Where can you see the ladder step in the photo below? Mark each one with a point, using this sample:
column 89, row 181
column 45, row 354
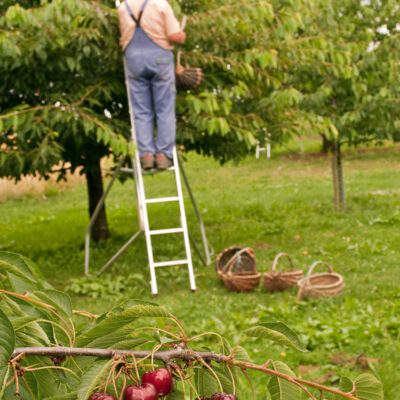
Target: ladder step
column 164, row 231
column 129, row 170
column 169, row 263
column 162, row 199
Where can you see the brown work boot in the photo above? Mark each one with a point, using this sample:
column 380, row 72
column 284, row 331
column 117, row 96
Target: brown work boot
column 162, row 161
column 147, row 161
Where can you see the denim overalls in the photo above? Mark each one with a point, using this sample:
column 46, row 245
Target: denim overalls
column 151, row 76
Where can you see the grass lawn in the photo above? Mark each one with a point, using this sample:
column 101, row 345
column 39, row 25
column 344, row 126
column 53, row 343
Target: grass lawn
column 281, row 204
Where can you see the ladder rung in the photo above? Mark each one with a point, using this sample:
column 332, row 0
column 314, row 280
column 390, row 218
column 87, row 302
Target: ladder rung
column 130, row 170
column 164, row 231
column 169, row 263
column 162, row 199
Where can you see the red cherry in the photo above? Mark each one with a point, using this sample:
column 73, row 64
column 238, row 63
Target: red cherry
column 223, row 396
column 101, row 396
column 145, row 392
column 161, row 378
column 96, row 396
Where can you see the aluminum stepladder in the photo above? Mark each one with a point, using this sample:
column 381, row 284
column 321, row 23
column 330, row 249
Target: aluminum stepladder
column 144, row 227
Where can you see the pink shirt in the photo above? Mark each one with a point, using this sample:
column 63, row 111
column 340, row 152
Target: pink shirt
column 158, row 21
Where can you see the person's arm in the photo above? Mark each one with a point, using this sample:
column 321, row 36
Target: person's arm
column 177, row 37
column 173, row 30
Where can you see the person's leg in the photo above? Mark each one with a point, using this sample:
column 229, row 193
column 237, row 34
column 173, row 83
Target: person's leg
column 139, row 77
column 164, row 96
column 141, row 95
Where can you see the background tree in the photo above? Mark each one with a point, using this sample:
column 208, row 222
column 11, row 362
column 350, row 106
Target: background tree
column 58, row 92
column 273, row 69
column 359, row 88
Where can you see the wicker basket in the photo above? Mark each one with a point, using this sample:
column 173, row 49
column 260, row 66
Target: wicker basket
column 281, row 280
column 320, row 285
column 236, row 267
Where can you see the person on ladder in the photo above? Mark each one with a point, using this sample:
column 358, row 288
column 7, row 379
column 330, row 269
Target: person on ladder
column 149, row 30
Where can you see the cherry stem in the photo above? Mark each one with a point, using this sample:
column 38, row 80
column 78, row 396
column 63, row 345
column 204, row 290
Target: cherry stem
column 123, row 388
column 86, row 314
column 182, row 381
column 304, row 389
column 114, row 380
column 14, row 367
column 108, row 380
column 199, row 359
column 135, row 364
column 148, row 328
column 27, row 386
column 176, row 320
column 52, row 367
column 232, row 378
column 249, row 382
column 55, row 324
column 152, row 354
column 204, row 334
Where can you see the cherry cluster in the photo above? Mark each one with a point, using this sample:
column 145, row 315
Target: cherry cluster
column 154, row 384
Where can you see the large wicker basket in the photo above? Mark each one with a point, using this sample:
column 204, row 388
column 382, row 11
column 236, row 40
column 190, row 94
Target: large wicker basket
column 281, row 280
column 320, row 285
column 236, row 267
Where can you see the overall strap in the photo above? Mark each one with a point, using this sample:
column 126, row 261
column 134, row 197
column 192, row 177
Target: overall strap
column 137, row 20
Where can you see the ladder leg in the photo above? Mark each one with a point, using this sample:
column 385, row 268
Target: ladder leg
column 206, row 246
column 144, row 219
column 183, row 221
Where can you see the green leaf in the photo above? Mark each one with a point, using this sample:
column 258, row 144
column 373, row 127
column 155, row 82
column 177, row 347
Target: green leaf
column 20, row 284
column 146, row 311
column 61, row 301
column 4, row 373
column 66, row 396
column 368, row 387
column 241, row 354
column 113, row 322
column 345, row 385
column 277, row 332
column 47, row 379
column 33, row 328
column 7, row 340
column 206, row 384
column 175, row 395
column 281, row 389
column 20, row 266
column 92, row 377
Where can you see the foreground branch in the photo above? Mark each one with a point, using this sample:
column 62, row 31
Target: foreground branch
column 167, row 356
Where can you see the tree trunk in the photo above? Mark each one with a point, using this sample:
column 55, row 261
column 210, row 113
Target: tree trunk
column 327, row 145
column 95, row 191
column 338, row 182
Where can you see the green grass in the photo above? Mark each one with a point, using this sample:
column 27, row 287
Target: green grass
column 285, row 203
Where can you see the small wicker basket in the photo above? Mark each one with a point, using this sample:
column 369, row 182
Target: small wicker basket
column 236, row 267
column 281, row 280
column 320, row 285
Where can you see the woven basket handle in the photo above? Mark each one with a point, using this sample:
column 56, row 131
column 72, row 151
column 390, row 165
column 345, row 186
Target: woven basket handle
column 183, row 22
column 230, row 262
column 278, row 256
column 311, row 269
column 179, row 68
column 302, row 282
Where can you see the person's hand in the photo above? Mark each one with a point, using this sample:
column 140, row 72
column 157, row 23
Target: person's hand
column 178, row 37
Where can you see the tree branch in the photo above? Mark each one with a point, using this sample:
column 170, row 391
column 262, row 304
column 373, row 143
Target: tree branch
column 168, row 355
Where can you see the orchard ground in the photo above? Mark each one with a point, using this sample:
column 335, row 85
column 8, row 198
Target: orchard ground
column 281, row 204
